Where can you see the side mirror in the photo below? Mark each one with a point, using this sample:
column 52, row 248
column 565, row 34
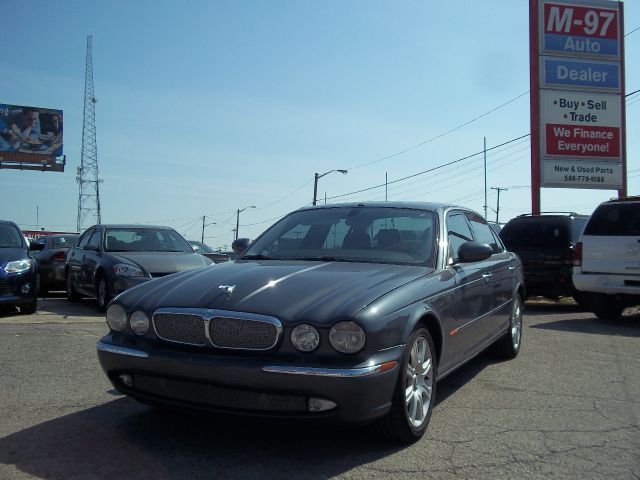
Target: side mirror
column 474, row 252
column 195, row 248
column 240, row 245
column 91, row 248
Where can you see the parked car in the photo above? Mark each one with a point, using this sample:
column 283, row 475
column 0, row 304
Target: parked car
column 546, row 246
column 18, row 271
column 207, row 251
column 346, row 312
column 51, row 253
column 108, row 259
column 608, row 269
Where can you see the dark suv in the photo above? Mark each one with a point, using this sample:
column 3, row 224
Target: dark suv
column 546, row 246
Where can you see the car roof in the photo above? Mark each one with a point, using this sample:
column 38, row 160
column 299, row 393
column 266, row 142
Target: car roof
column 130, row 225
column 414, row 205
column 9, row 222
column 622, row 200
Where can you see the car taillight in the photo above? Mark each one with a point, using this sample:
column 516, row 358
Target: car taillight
column 577, row 254
column 59, row 256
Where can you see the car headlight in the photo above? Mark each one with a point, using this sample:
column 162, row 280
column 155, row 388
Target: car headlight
column 347, row 337
column 305, row 338
column 116, row 318
column 18, row 266
column 139, row 322
column 127, row 270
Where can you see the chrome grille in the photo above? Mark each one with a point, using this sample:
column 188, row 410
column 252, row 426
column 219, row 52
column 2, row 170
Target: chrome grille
column 180, row 328
column 242, row 334
column 217, row 328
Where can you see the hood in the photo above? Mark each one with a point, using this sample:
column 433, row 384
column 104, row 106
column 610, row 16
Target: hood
column 11, row 254
column 291, row 291
column 163, row 262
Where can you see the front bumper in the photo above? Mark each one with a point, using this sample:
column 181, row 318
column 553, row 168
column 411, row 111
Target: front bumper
column 253, row 385
column 118, row 284
column 12, row 288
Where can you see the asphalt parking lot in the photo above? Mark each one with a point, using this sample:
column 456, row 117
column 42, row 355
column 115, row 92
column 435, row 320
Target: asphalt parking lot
column 567, row 407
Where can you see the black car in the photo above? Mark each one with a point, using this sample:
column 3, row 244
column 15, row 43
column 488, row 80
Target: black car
column 546, row 246
column 51, row 253
column 18, row 271
column 108, row 259
column 207, row 251
column 346, row 312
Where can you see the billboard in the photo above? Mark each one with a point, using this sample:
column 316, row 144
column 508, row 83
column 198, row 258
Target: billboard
column 31, row 138
column 577, row 107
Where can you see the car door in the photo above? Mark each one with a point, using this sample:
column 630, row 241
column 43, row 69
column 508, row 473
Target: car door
column 90, row 261
column 75, row 255
column 474, row 289
column 502, row 266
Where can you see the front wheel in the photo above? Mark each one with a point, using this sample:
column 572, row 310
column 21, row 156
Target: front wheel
column 509, row 345
column 414, row 395
column 103, row 296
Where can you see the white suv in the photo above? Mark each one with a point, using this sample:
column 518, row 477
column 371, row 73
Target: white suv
column 608, row 268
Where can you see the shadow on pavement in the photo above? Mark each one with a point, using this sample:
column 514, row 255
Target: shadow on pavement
column 56, row 305
column 625, row 326
column 122, row 439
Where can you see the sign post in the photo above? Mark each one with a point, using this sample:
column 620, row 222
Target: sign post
column 577, row 96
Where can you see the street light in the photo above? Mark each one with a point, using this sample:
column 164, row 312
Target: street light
column 319, row 176
column 203, row 225
column 238, row 217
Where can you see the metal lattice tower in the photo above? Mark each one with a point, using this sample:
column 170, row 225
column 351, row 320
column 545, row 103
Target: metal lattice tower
column 87, row 177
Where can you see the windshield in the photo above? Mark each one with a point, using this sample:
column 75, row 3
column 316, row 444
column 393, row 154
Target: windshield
column 10, row 237
column 201, row 247
column 358, row 234
column 145, row 240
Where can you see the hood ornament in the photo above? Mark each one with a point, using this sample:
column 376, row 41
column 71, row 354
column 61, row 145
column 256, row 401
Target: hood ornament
column 226, row 289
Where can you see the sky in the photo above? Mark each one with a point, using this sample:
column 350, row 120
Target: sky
column 210, row 107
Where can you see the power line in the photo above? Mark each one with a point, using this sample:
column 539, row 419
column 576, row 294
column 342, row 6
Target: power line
column 634, row 30
column 440, row 135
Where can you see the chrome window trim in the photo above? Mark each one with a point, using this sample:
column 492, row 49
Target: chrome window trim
column 207, row 314
column 119, row 350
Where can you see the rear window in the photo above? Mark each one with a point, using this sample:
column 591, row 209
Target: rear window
column 618, row 219
column 536, row 232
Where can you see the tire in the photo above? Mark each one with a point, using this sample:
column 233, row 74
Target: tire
column 509, row 345
column 408, row 418
column 30, row 308
column 72, row 294
column 606, row 307
column 102, row 294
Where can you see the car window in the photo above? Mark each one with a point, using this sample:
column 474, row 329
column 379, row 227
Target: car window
column 372, row 234
column 138, row 239
column 63, row 242
column 536, row 232
column 482, row 232
column 617, row 219
column 84, row 238
column 458, row 232
column 10, row 237
column 94, row 241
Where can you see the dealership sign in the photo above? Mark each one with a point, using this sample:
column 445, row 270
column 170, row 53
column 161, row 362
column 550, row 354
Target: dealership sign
column 577, row 112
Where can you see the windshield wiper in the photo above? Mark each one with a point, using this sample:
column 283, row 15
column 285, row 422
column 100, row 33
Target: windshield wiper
column 256, row 257
column 322, row 258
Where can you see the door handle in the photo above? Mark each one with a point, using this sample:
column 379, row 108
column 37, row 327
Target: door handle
column 512, row 268
column 487, row 276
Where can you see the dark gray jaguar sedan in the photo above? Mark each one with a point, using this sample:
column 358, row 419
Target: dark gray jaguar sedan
column 348, row 312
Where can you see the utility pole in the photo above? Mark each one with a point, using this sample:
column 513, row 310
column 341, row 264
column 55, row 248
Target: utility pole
column 87, row 176
column 202, row 238
column 386, row 186
column 498, row 189
column 485, row 178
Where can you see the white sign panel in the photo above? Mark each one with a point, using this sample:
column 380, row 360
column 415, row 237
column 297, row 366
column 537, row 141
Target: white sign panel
column 569, row 108
column 581, row 174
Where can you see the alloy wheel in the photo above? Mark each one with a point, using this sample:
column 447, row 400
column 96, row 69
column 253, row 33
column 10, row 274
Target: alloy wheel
column 419, row 382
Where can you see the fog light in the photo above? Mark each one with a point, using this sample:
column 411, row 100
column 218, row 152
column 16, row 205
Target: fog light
column 321, row 405
column 126, row 379
column 26, row 288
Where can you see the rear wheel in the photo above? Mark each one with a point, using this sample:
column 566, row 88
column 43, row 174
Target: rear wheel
column 30, row 308
column 606, row 307
column 72, row 294
column 509, row 345
column 414, row 395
